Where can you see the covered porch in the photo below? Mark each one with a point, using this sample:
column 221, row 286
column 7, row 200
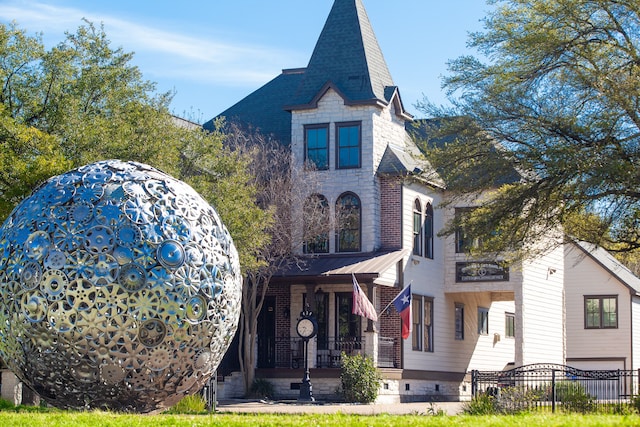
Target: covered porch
column 324, row 286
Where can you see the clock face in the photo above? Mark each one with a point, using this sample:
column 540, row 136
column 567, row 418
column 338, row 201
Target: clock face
column 305, row 328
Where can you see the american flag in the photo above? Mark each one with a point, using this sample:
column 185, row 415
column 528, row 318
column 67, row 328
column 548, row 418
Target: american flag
column 361, row 304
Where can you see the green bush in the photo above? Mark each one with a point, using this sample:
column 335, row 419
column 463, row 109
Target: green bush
column 192, row 404
column 359, row 378
column 261, row 389
column 516, row 400
column 574, row 398
column 480, row 404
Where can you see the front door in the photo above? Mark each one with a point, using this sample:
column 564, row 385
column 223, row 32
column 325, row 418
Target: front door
column 348, row 325
column 267, row 334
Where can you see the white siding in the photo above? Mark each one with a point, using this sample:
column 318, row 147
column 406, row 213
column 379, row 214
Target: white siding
column 586, row 277
column 540, row 304
column 635, row 333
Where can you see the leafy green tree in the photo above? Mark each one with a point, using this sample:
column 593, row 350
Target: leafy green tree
column 555, row 92
column 84, row 101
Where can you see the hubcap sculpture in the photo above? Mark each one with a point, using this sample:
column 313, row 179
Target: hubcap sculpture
column 120, row 288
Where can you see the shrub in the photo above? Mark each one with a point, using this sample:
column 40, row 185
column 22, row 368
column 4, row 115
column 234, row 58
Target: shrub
column 515, row 400
column 359, row 378
column 574, row 398
column 480, row 404
column 261, row 389
column 635, row 402
column 192, row 404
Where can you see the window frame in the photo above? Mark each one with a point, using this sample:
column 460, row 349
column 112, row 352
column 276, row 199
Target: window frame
column 428, row 231
column 417, row 228
column 357, row 147
column 422, row 323
column 464, row 241
column 309, row 159
column 601, row 311
column 322, row 238
column 339, row 228
column 459, row 321
column 483, row 321
column 509, row 325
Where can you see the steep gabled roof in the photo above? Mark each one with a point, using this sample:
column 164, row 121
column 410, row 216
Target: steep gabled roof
column 262, row 109
column 348, row 59
column 611, row 264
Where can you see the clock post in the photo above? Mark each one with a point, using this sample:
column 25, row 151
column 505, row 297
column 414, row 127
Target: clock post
column 307, row 328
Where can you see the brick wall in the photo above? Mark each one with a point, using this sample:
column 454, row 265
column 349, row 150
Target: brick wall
column 391, row 213
column 389, row 322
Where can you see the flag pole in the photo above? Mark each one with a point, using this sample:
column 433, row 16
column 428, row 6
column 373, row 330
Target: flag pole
column 389, row 305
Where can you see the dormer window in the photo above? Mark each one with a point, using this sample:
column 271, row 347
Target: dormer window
column 316, row 146
column 348, row 143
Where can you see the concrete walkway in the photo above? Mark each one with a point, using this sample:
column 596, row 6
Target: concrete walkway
column 292, row 407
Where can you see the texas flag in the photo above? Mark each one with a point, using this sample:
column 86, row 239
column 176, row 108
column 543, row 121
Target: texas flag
column 402, row 303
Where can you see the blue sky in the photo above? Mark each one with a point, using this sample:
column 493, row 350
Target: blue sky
column 213, row 53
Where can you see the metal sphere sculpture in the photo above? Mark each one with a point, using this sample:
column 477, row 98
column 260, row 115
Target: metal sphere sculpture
column 119, row 288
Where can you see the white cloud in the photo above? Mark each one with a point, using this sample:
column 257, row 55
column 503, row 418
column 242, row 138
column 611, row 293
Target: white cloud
column 157, row 51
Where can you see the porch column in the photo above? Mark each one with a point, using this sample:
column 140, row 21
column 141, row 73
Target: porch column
column 371, row 334
column 372, row 297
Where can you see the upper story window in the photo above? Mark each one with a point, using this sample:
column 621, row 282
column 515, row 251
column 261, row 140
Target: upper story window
column 316, row 143
column 348, row 143
column 316, row 225
column 601, row 312
column 348, row 218
column 417, row 228
column 428, row 231
column 465, row 241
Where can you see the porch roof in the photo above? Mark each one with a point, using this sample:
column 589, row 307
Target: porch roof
column 326, row 268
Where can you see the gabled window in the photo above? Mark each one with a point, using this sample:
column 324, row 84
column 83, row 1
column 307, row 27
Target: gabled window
column 316, row 144
column 601, row 312
column 428, row 232
column 422, row 323
column 316, row 225
column 417, row 228
column 348, row 142
column 483, row 321
column 348, row 218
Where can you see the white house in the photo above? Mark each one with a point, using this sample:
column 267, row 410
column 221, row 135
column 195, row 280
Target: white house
column 343, row 114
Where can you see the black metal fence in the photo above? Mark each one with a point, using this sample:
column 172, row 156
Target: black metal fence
column 551, row 387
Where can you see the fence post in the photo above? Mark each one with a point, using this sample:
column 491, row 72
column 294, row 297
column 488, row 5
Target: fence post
column 474, row 383
column 553, row 391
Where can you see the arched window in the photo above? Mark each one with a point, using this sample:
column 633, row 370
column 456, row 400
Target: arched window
column 428, row 231
column 348, row 218
column 316, row 225
column 417, row 228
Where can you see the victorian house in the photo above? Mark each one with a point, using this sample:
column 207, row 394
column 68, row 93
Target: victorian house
column 344, row 116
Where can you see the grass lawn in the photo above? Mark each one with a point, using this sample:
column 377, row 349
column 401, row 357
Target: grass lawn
column 98, row 418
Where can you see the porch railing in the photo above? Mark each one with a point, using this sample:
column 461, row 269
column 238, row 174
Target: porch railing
column 290, row 352
column 388, row 352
